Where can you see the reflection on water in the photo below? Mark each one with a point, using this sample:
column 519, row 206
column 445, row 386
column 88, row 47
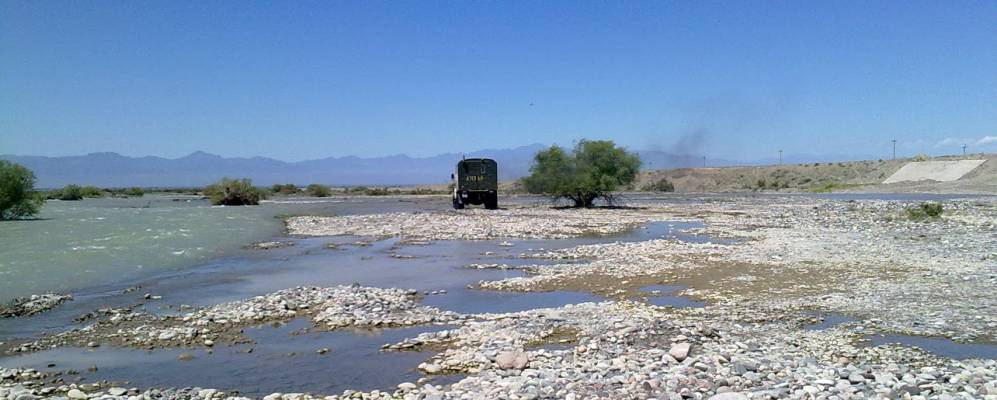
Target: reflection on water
column 282, row 360
column 664, row 295
column 940, row 346
column 825, row 321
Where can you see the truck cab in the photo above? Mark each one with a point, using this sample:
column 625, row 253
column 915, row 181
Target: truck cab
column 475, row 182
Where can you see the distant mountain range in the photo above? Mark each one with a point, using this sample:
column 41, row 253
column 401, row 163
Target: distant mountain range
column 200, row 168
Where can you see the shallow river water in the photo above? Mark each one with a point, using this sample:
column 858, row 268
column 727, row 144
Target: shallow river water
column 286, row 355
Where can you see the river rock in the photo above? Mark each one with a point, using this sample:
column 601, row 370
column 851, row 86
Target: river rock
column 511, row 360
column 680, row 351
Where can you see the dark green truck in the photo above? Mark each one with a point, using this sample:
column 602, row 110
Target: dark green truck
column 476, row 182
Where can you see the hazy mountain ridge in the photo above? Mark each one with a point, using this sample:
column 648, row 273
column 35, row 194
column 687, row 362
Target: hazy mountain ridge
column 200, row 168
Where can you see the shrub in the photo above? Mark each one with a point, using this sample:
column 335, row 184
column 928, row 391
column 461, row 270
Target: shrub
column 828, row 187
column 662, row 185
column 593, row 170
column 287, row 188
column 91, row 191
column 134, row 192
column 376, row 191
column 925, row 211
column 18, row 198
column 424, row 191
column 233, row 192
column 70, row 193
column 317, row 190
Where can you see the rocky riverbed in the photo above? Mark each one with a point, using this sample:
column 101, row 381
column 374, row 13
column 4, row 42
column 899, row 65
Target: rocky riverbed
column 790, row 257
column 31, row 305
column 329, row 308
column 477, row 224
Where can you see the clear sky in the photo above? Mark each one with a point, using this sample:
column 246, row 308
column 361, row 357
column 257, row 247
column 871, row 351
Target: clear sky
column 300, row 80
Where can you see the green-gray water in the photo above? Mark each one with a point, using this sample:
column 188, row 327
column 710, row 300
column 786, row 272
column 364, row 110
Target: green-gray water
column 80, row 244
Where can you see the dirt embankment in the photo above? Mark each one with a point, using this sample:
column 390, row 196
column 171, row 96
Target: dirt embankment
column 866, row 176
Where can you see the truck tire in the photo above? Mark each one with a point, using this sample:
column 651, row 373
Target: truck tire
column 457, row 205
column 491, row 202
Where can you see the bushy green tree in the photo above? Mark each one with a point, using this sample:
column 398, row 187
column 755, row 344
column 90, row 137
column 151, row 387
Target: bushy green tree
column 234, row 192
column 593, row 170
column 317, row 190
column 18, row 198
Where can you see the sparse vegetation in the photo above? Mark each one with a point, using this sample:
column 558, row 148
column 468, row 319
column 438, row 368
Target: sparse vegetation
column 593, row 170
column 234, row 192
column 68, row 193
column 91, row 192
column 18, row 198
column 316, row 190
column 425, row 191
column 286, row 189
column 925, row 211
column 662, row 185
column 828, row 187
column 376, row 192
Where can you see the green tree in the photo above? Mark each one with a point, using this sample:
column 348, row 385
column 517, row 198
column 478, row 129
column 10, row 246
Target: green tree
column 234, row 192
column 18, row 198
column 317, row 190
column 593, row 170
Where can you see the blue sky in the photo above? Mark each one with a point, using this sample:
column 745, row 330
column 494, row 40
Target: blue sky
column 300, row 80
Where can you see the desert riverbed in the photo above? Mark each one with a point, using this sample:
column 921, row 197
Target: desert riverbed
column 723, row 297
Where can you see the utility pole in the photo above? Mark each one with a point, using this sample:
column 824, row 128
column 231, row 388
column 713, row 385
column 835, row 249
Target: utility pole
column 704, row 161
column 894, row 149
column 780, row 156
column 963, row 150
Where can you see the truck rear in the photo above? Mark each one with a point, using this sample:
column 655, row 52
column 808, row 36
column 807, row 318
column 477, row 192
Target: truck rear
column 476, row 182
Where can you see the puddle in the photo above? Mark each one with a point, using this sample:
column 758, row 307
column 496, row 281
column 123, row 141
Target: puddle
column 556, row 347
column 940, row 346
column 269, row 368
column 825, row 321
column 663, row 295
